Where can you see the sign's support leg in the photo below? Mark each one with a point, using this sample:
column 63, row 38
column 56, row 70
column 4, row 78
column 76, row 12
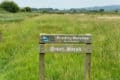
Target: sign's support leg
column 42, row 66
column 87, row 71
column 42, row 62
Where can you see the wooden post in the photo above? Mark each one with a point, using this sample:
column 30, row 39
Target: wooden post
column 42, row 62
column 87, row 67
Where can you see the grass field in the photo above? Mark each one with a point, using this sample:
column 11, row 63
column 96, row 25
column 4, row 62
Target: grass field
column 19, row 48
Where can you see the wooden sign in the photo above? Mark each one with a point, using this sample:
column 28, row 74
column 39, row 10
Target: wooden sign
column 64, row 38
column 66, row 48
column 65, row 43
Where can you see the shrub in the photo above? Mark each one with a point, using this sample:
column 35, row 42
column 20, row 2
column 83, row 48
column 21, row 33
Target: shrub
column 22, row 10
column 27, row 9
column 101, row 10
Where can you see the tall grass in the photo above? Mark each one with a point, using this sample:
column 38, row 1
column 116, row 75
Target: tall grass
column 8, row 17
column 19, row 48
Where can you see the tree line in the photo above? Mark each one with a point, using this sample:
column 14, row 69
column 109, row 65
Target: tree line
column 71, row 11
column 11, row 6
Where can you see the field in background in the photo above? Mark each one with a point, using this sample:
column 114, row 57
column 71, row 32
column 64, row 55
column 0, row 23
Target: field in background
column 6, row 17
column 19, row 47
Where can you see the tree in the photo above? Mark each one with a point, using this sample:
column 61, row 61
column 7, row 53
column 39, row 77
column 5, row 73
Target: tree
column 101, row 10
column 116, row 11
column 10, row 6
column 28, row 9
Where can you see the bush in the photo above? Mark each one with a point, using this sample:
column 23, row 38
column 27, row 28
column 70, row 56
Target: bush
column 116, row 11
column 10, row 6
column 101, row 10
column 22, row 10
column 26, row 9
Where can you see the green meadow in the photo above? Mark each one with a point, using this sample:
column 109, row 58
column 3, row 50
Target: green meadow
column 19, row 46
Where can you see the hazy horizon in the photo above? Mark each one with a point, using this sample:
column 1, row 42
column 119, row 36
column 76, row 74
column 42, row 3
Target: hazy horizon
column 65, row 4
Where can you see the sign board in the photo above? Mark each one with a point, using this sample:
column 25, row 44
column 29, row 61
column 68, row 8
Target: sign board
column 65, row 43
column 65, row 48
column 65, row 38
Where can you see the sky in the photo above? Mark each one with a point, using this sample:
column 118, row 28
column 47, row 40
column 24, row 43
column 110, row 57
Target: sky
column 65, row 4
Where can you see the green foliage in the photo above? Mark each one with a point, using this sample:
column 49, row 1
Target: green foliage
column 10, row 6
column 116, row 11
column 8, row 17
column 101, row 10
column 22, row 10
column 26, row 9
column 2, row 11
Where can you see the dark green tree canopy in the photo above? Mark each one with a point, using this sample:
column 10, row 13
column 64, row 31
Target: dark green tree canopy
column 10, row 6
column 27, row 9
column 101, row 10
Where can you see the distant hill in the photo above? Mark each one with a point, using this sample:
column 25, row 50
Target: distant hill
column 106, row 8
